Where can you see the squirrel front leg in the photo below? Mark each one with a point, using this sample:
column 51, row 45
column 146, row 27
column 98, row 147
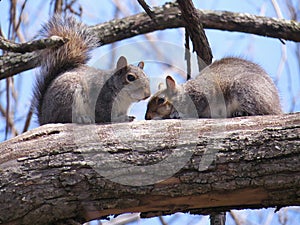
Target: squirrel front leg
column 122, row 118
column 82, row 109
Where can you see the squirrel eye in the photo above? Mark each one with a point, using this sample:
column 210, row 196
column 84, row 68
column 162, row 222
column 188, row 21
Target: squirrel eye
column 130, row 77
column 160, row 101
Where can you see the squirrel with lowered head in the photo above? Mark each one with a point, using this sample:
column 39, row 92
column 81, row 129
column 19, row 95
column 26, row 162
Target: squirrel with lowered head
column 229, row 87
column 68, row 90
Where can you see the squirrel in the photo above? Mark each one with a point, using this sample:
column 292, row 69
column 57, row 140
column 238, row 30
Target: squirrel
column 68, row 90
column 229, row 87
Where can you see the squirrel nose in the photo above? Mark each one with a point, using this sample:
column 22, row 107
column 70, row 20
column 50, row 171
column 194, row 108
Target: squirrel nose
column 148, row 116
column 147, row 94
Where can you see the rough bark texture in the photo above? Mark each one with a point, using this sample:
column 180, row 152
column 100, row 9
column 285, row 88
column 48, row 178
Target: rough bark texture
column 12, row 64
column 31, row 45
column 169, row 16
column 60, row 172
column 16, row 63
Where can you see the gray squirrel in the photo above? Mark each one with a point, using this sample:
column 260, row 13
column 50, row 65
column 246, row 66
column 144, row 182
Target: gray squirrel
column 229, row 87
column 68, row 90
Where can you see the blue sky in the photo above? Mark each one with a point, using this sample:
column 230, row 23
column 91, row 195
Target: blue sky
column 265, row 51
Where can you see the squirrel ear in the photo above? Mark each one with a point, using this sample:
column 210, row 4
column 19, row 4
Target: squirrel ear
column 171, row 84
column 160, row 86
column 122, row 62
column 141, row 65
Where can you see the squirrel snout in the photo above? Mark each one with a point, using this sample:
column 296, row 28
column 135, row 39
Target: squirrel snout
column 148, row 116
column 146, row 97
column 147, row 94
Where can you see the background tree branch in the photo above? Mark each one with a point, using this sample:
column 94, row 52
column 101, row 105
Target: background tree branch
column 59, row 168
column 194, row 28
column 31, row 46
column 147, row 9
column 14, row 63
column 169, row 16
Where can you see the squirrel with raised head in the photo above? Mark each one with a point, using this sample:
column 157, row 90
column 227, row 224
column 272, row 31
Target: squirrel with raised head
column 229, row 87
column 68, row 90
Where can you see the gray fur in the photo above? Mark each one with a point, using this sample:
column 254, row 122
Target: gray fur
column 229, row 87
column 69, row 91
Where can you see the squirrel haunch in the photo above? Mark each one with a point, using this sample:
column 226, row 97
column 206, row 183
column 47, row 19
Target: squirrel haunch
column 228, row 87
column 68, row 90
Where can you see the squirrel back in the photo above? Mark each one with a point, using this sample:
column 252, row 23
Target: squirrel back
column 68, row 90
column 228, row 87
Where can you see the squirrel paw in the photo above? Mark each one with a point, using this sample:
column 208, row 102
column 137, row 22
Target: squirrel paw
column 131, row 118
column 175, row 115
column 239, row 114
column 83, row 119
column 123, row 118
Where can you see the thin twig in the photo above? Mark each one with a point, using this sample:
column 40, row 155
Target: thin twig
column 277, row 9
column 283, row 59
column 187, row 55
column 8, row 119
column 147, row 9
column 114, row 44
column 58, row 6
column 235, row 218
column 69, row 6
column 20, row 16
column 28, row 119
column 10, row 122
column 126, row 12
column 161, row 219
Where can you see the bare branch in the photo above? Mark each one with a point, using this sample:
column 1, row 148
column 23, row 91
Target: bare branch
column 20, row 17
column 28, row 119
column 31, row 46
column 147, row 9
column 58, row 7
column 12, row 64
column 235, row 218
column 10, row 123
column 169, row 16
column 162, row 221
column 194, row 27
column 187, row 56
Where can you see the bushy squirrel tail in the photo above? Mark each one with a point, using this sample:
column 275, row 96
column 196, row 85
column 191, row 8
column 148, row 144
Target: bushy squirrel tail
column 57, row 60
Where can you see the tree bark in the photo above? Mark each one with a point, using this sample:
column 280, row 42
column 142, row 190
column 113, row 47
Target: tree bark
column 169, row 16
column 31, row 46
column 59, row 172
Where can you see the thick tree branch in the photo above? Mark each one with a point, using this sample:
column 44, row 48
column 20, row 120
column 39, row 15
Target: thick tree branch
column 15, row 63
column 31, row 46
column 59, row 172
column 11, row 64
column 169, row 16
